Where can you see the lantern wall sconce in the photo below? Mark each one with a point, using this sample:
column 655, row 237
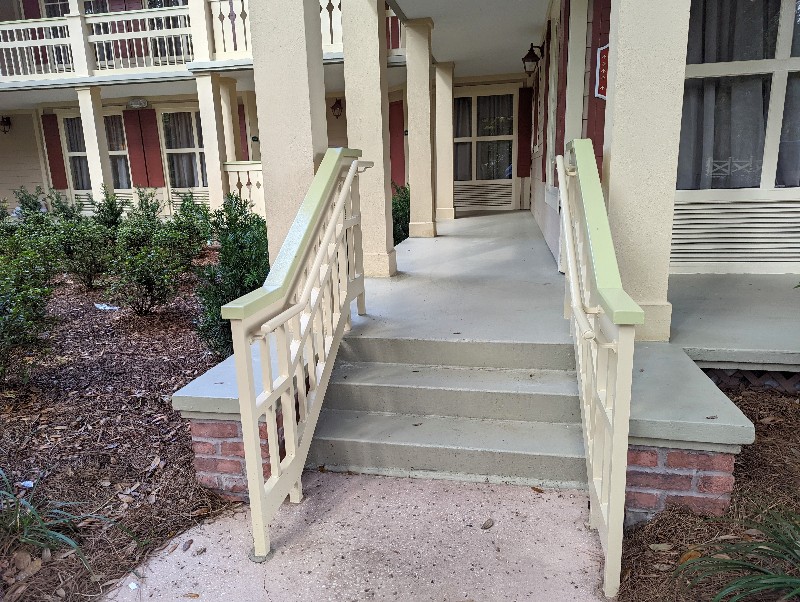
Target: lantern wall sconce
column 530, row 60
column 337, row 108
column 5, row 124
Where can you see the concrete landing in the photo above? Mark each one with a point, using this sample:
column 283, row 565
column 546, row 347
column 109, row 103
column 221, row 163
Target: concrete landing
column 358, row 538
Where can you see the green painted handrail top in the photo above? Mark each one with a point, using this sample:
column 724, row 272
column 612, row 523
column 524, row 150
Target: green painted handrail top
column 299, row 240
column 617, row 304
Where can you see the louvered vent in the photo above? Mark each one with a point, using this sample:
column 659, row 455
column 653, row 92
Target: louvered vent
column 742, row 230
column 484, row 195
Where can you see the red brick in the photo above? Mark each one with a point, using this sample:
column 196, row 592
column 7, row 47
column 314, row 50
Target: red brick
column 700, row 460
column 204, row 447
column 709, row 506
column 218, row 465
column 232, row 448
column 215, row 429
column 220, row 483
column 715, row 484
column 659, row 480
column 641, row 500
column 643, row 457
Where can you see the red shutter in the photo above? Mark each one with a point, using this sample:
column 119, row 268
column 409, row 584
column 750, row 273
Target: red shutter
column 136, row 157
column 152, row 148
column 545, row 98
column 55, row 154
column 31, row 9
column 596, row 118
column 397, row 142
column 563, row 60
column 243, row 134
column 524, row 131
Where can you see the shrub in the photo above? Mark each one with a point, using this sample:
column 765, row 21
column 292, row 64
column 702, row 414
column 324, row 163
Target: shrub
column 109, row 211
column 29, row 202
column 243, row 266
column 189, row 229
column 61, row 208
column 769, row 563
column 401, row 212
column 87, row 248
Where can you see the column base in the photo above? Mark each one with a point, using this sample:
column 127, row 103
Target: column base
column 422, row 229
column 445, row 213
column 657, row 321
column 380, row 265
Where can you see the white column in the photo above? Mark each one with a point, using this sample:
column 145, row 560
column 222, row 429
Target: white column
column 83, row 59
column 230, row 119
column 367, row 96
column 249, row 99
column 202, row 32
column 94, row 137
column 290, row 94
column 420, row 151
column 647, row 63
column 444, row 141
column 212, row 118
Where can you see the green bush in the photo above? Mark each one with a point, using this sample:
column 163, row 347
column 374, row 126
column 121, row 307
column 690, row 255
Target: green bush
column 766, row 564
column 401, row 212
column 109, row 211
column 243, row 266
column 29, row 202
column 87, row 248
column 189, row 229
column 61, row 208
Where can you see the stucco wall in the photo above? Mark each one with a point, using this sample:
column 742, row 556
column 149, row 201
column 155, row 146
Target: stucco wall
column 19, row 157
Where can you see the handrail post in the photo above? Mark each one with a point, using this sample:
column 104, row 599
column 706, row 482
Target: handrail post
column 355, row 198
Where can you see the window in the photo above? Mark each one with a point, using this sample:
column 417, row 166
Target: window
column 742, row 88
column 483, row 128
column 59, row 8
column 183, row 144
column 118, row 152
column 76, row 154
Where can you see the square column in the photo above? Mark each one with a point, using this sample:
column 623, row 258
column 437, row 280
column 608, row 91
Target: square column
column 290, row 94
column 367, row 97
column 647, row 65
column 94, row 138
column 444, row 141
column 230, row 119
column 420, row 147
column 212, row 118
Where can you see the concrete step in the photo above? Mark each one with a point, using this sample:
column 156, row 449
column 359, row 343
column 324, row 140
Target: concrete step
column 491, row 393
column 489, row 354
column 548, row 454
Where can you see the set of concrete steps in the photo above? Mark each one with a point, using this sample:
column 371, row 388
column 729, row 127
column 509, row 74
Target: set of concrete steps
column 459, row 409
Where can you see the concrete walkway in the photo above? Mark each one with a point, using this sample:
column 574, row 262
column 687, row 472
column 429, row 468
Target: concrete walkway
column 377, row 538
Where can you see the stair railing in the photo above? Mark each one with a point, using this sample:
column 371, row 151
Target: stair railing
column 602, row 321
column 287, row 333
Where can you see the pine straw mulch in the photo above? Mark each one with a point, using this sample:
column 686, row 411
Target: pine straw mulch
column 767, row 478
column 93, row 424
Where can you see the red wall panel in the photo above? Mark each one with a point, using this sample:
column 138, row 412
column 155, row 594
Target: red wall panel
column 152, row 148
column 136, row 157
column 596, row 118
column 55, row 155
column 243, row 134
column 524, row 131
column 397, row 142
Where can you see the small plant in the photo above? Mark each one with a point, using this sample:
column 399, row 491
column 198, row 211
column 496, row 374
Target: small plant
column 61, row 208
column 243, row 266
column 768, row 563
column 189, row 229
column 109, row 211
column 87, row 248
column 401, row 212
column 29, row 202
column 27, row 521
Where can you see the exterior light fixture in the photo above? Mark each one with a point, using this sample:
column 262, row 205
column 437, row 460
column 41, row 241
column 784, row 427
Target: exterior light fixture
column 337, row 108
column 5, row 124
column 529, row 61
column 137, row 103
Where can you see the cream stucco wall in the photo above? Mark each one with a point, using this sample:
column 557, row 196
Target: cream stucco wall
column 19, row 157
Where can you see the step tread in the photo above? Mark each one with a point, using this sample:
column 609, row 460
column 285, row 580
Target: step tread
column 509, row 436
column 455, row 378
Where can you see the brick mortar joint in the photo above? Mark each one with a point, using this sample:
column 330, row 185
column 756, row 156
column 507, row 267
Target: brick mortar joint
column 679, row 492
column 679, row 471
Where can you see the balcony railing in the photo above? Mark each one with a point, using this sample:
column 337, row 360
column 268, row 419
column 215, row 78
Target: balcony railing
column 245, row 178
column 157, row 38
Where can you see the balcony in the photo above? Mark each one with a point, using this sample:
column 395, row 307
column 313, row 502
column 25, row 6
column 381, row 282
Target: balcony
column 148, row 40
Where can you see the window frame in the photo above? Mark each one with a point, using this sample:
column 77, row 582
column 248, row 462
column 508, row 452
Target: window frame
column 123, row 153
column 68, row 154
column 778, row 68
column 165, row 152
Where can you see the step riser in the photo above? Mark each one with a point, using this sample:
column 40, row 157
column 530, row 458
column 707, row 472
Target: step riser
column 383, row 458
column 539, row 407
column 521, row 356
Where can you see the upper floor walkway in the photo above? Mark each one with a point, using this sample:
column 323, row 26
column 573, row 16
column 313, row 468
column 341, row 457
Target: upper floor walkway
column 66, row 40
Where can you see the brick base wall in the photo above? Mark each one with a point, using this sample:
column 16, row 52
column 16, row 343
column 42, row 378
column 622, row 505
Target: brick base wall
column 219, row 455
column 659, row 477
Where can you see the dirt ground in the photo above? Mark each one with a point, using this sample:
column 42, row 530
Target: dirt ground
column 89, row 422
column 767, row 478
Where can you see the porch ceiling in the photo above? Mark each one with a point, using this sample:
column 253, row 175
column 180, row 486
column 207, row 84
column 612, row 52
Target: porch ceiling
column 481, row 38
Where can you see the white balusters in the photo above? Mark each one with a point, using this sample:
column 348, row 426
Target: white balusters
column 35, row 48
column 231, row 24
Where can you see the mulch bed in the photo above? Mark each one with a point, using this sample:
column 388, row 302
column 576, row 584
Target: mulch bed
column 92, row 423
column 767, row 478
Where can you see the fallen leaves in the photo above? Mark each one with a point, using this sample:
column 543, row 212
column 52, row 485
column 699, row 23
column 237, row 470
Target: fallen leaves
column 488, row 524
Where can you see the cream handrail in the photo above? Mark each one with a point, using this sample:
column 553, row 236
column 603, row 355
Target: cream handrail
column 602, row 320
column 297, row 319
